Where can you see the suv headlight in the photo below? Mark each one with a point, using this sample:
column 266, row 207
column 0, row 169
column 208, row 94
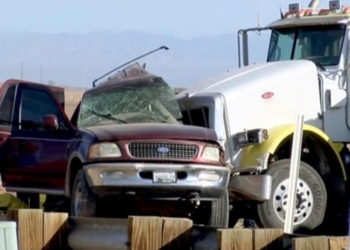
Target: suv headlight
column 104, row 150
column 211, row 154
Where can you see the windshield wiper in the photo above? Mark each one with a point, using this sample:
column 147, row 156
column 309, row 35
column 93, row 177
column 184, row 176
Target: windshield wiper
column 108, row 116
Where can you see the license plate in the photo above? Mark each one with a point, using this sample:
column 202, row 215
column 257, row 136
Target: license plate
column 164, row 176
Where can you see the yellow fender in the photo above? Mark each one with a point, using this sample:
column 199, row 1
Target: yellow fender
column 9, row 201
column 276, row 136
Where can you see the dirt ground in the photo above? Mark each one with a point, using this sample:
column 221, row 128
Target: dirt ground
column 72, row 98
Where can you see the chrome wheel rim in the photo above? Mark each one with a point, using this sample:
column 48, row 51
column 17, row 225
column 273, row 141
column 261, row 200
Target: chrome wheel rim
column 77, row 199
column 303, row 205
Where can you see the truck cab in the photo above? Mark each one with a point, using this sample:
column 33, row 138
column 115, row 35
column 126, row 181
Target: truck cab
column 322, row 37
column 252, row 108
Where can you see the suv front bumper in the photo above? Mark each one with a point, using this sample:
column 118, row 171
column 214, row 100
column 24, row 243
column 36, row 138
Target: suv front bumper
column 208, row 181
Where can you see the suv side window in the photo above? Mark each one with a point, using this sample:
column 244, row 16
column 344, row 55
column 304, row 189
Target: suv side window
column 75, row 115
column 6, row 107
column 35, row 104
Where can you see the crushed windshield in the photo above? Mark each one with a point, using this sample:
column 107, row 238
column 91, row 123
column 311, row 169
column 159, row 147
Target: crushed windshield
column 321, row 44
column 147, row 100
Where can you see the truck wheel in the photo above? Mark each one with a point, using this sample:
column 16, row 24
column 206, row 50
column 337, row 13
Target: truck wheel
column 311, row 199
column 220, row 211
column 83, row 202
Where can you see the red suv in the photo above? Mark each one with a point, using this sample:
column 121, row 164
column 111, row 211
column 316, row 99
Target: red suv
column 124, row 142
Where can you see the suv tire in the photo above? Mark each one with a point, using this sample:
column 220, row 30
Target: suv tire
column 220, row 211
column 83, row 202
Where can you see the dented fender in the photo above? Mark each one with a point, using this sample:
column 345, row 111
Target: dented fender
column 250, row 187
column 250, row 155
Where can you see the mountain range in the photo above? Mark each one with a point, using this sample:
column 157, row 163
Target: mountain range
column 75, row 60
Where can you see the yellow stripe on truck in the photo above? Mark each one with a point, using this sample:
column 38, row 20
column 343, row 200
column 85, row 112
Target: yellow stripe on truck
column 276, row 136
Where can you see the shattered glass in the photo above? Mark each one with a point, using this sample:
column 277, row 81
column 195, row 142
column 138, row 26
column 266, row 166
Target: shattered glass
column 143, row 100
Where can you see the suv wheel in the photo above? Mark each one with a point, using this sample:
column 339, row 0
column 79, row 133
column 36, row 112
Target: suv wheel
column 220, row 211
column 83, row 202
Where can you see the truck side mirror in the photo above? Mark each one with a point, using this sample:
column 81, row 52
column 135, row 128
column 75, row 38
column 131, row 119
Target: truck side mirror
column 50, row 122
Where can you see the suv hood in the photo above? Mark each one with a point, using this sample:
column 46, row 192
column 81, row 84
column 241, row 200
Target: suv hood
column 152, row 131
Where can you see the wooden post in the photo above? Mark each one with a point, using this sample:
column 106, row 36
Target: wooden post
column 29, row 227
column 310, row 243
column 265, row 239
column 235, row 239
column 55, row 231
column 145, row 233
column 176, row 233
column 338, row 243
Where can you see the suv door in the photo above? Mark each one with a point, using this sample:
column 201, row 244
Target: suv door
column 6, row 109
column 7, row 99
column 37, row 159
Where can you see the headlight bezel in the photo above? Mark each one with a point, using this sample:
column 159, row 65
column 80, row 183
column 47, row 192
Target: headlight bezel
column 96, row 151
column 250, row 137
column 215, row 157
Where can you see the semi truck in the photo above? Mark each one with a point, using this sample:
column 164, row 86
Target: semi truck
column 252, row 109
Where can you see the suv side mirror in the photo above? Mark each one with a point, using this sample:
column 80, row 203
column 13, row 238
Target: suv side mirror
column 50, row 122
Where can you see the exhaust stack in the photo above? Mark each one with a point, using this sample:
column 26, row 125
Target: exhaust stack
column 314, row 4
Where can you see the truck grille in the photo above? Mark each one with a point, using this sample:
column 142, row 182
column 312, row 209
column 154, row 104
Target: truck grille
column 159, row 150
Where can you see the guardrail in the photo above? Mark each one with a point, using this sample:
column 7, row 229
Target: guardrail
column 37, row 230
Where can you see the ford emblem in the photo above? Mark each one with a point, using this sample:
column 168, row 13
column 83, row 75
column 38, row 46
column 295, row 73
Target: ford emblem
column 163, row 150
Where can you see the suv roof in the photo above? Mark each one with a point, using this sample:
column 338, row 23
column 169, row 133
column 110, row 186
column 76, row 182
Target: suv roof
column 130, row 73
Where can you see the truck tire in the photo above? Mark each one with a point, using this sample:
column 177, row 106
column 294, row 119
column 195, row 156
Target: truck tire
column 220, row 211
column 311, row 200
column 83, row 202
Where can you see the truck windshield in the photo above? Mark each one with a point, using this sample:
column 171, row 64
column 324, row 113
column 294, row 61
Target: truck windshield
column 321, row 44
column 139, row 101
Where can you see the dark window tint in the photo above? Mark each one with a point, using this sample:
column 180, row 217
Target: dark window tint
column 320, row 44
column 35, row 103
column 7, row 106
column 196, row 117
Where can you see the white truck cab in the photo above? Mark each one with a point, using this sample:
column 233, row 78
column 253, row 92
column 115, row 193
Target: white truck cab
column 252, row 108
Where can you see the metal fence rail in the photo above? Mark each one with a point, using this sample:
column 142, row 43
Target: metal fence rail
column 98, row 233
column 108, row 234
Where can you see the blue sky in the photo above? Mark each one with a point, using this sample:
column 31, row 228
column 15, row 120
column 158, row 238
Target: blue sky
column 181, row 18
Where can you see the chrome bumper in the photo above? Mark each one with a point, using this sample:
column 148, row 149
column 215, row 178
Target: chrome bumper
column 137, row 179
column 250, row 187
